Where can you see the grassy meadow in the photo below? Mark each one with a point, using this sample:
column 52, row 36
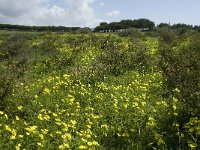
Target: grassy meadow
column 100, row 91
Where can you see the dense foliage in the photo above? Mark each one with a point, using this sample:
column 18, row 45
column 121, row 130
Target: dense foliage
column 144, row 24
column 37, row 28
column 100, row 91
column 141, row 24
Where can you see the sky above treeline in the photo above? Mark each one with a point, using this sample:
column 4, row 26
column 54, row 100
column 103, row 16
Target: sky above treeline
column 91, row 12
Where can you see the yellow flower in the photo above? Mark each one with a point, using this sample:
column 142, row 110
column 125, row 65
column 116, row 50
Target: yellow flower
column 70, row 99
column 58, row 120
column 14, row 132
column 61, row 147
column 88, row 136
column 125, row 105
column 40, row 117
column 31, row 129
column 27, row 133
column 95, row 143
column 83, row 140
column 88, row 126
column 39, row 144
column 58, row 123
column 143, row 103
column 82, row 147
column 135, row 104
column 67, row 136
column 17, row 118
column 1, row 112
column 151, row 119
column 104, row 126
column 175, row 114
column 177, row 90
column 46, row 117
column 8, row 128
column 20, row 107
column 17, row 147
column 58, row 132
column 36, row 96
column 55, row 115
column 66, row 76
column 6, row 116
column 46, row 91
column 44, row 131
column 64, row 146
column 125, row 135
column 73, row 122
column 41, row 136
column 21, row 136
column 89, row 143
column 192, row 145
column 43, row 110
column 13, row 137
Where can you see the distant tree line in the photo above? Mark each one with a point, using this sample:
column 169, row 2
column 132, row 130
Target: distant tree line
column 37, row 28
column 142, row 24
column 180, row 26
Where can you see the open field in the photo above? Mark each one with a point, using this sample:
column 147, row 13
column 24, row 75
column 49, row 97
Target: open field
column 103, row 91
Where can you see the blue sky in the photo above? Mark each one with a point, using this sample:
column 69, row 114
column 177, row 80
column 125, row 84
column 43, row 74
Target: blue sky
column 92, row 12
column 173, row 11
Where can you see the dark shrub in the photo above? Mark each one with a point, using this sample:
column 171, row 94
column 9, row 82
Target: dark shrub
column 131, row 32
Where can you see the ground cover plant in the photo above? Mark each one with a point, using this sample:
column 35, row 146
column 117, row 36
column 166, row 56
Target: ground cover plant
column 100, row 91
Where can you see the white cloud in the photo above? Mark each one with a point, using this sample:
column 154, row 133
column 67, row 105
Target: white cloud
column 45, row 12
column 13, row 8
column 113, row 13
column 101, row 4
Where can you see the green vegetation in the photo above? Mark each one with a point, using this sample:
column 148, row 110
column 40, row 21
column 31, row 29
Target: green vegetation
column 98, row 91
column 38, row 28
column 142, row 24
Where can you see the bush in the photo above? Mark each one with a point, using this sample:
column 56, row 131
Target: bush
column 180, row 64
column 50, row 44
column 14, row 59
column 83, row 31
column 166, row 34
column 131, row 32
column 179, row 61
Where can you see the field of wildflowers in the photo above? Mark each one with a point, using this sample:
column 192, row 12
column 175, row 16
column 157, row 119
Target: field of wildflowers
column 93, row 92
